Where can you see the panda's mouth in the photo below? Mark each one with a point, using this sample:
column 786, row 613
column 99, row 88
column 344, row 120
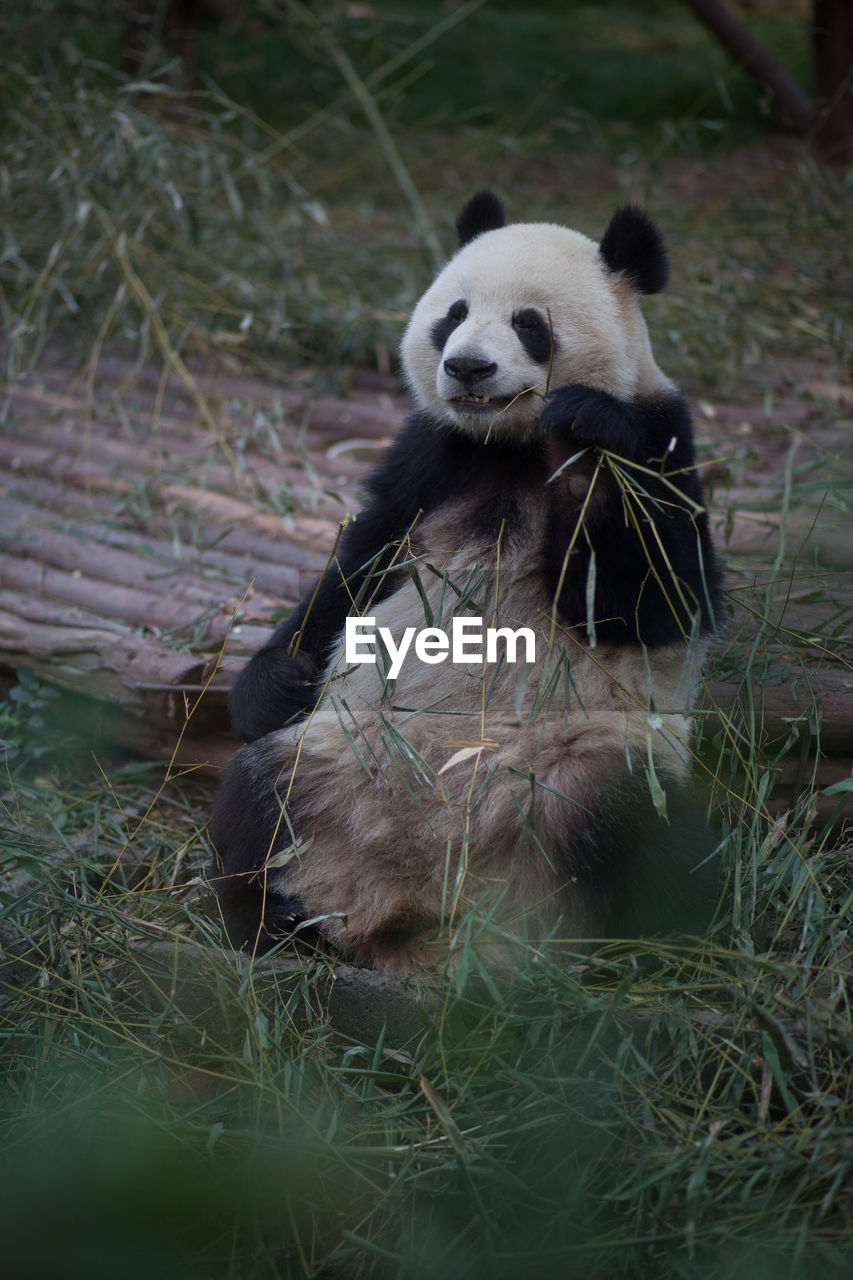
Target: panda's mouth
column 486, row 402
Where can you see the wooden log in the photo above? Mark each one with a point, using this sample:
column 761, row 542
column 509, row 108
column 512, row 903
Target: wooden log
column 230, row 510
column 281, row 569
column 324, row 416
column 277, row 551
column 202, row 753
column 814, row 702
column 126, row 465
column 158, row 558
column 169, row 456
column 194, row 613
column 222, row 507
column 203, row 982
column 27, row 538
column 83, row 653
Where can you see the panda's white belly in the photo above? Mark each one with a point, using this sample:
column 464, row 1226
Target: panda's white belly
column 458, row 782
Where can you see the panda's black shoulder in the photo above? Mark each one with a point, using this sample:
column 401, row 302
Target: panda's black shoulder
column 430, row 463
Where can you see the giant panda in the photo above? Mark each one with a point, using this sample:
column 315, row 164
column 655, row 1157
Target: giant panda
column 544, row 485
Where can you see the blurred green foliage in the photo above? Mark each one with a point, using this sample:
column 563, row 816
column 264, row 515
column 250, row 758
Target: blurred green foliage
column 580, row 68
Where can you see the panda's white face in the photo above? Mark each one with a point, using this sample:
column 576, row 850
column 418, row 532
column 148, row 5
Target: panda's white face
column 519, row 312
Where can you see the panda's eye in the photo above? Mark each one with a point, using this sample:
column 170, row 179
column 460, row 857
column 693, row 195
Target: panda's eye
column 529, row 318
column 536, row 334
column 443, row 328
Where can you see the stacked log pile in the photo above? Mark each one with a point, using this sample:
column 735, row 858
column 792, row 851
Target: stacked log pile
column 144, row 555
column 140, row 564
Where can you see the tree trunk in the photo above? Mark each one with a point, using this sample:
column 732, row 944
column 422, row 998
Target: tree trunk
column 832, row 33
column 793, row 105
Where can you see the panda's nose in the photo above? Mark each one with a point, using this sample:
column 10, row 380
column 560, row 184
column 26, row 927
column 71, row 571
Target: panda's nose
column 469, row 369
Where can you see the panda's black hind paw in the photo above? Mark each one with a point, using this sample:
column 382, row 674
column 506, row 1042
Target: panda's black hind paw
column 580, row 415
column 254, row 921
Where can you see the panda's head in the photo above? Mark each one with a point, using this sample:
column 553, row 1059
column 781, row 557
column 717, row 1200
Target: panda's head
column 521, row 310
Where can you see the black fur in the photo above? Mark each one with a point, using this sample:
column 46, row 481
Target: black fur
column 483, row 212
column 248, row 823
column 633, row 245
column 667, row 575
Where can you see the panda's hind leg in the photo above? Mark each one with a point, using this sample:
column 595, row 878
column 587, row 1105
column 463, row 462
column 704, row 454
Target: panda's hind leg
column 652, row 875
column 247, row 827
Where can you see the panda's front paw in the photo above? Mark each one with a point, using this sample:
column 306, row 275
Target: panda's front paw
column 273, row 689
column 581, row 415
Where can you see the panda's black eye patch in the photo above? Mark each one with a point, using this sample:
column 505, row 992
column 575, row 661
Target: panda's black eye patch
column 535, row 334
column 529, row 318
column 442, row 329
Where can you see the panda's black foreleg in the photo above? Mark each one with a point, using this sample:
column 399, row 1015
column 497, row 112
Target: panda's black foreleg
column 283, row 681
column 643, row 552
column 651, row 875
column 423, row 467
column 585, row 514
column 247, row 828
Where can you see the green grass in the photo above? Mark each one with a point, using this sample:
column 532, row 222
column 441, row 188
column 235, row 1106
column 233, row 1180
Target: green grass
column 221, row 220
column 686, row 1117
column 128, row 227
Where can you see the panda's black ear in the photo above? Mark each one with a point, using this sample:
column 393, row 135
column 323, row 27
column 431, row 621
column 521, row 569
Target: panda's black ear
column 633, row 245
column 483, row 212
